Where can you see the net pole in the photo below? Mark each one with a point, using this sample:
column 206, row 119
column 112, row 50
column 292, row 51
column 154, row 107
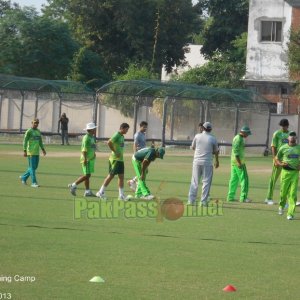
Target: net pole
column 165, row 107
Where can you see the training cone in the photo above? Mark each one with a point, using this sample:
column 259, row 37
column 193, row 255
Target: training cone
column 229, row 288
column 97, row 279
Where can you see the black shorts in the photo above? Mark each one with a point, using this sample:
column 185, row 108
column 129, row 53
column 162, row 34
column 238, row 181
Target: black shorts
column 116, row 167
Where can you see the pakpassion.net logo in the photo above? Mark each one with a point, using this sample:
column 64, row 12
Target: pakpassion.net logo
column 170, row 209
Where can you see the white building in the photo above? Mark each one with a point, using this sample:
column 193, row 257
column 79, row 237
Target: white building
column 193, row 59
column 270, row 22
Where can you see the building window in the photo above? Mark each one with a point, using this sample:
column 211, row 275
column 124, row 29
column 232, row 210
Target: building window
column 271, row 31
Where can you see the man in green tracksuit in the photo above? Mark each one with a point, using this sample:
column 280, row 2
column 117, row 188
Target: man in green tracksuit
column 31, row 144
column 141, row 161
column 238, row 167
column 288, row 158
column 280, row 137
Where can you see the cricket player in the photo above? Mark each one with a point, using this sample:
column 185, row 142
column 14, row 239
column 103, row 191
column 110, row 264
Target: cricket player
column 87, row 159
column 139, row 142
column 141, row 161
column 31, row 144
column 280, row 137
column 238, row 167
column 205, row 146
column 116, row 162
column 288, row 157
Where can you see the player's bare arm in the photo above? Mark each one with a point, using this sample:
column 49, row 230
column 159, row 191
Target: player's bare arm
column 145, row 165
column 111, row 147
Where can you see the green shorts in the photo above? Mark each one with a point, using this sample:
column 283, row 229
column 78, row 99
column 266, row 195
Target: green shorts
column 116, row 167
column 89, row 168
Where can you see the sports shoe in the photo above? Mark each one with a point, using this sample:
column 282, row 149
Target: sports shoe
column 101, row 195
column 22, row 180
column 298, row 203
column 132, row 184
column 148, row 197
column 191, row 202
column 204, row 203
column 290, row 218
column 72, row 189
column 280, row 211
column 35, row 185
column 125, row 198
column 89, row 194
column 269, row 201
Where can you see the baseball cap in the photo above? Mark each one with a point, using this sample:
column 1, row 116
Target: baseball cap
column 90, row 126
column 207, row 125
column 246, row 129
column 161, row 151
column 292, row 133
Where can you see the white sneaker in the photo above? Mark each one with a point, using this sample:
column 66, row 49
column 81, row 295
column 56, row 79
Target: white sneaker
column 290, row 218
column 132, row 184
column 35, row 185
column 247, row 200
column 101, row 195
column 89, row 194
column 298, row 203
column 269, row 201
column 23, row 181
column 122, row 198
column 148, row 197
column 280, row 211
column 72, row 189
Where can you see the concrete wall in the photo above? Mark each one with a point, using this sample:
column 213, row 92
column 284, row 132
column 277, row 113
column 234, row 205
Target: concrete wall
column 267, row 60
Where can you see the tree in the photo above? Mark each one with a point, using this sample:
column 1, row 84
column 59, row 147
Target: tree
column 87, row 67
column 126, row 103
column 34, row 45
column 224, row 70
column 227, row 20
column 294, row 58
column 149, row 32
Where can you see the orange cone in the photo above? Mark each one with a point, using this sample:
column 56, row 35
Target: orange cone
column 229, row 288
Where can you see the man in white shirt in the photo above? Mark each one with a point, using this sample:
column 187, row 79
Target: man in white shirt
column 205, row 146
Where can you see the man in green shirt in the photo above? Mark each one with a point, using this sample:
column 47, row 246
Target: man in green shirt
column 141, row 161
column 238, row 167
column 87, row 159
column 116, row 162
column 288, row 157
column 31, row 144
column 280, row 137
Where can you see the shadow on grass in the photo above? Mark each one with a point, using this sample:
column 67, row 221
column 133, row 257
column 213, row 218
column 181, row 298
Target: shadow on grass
column 44, row 227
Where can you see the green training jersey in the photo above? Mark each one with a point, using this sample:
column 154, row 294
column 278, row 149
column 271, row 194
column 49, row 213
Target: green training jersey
column 118, row 144
column 33, row 141
column 88, row 145
column 290, row 155
column 146, row 153
column 238, row 149
column 279, row 138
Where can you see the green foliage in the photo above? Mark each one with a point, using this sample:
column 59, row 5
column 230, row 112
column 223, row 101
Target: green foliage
column 218, row 72
column 125, row 103
column 35, row 46
column 87, row 67
column 294, row 58
column 228, row 19
column 123, row 32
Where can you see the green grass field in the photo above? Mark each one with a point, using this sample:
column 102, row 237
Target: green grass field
column 250, row 246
